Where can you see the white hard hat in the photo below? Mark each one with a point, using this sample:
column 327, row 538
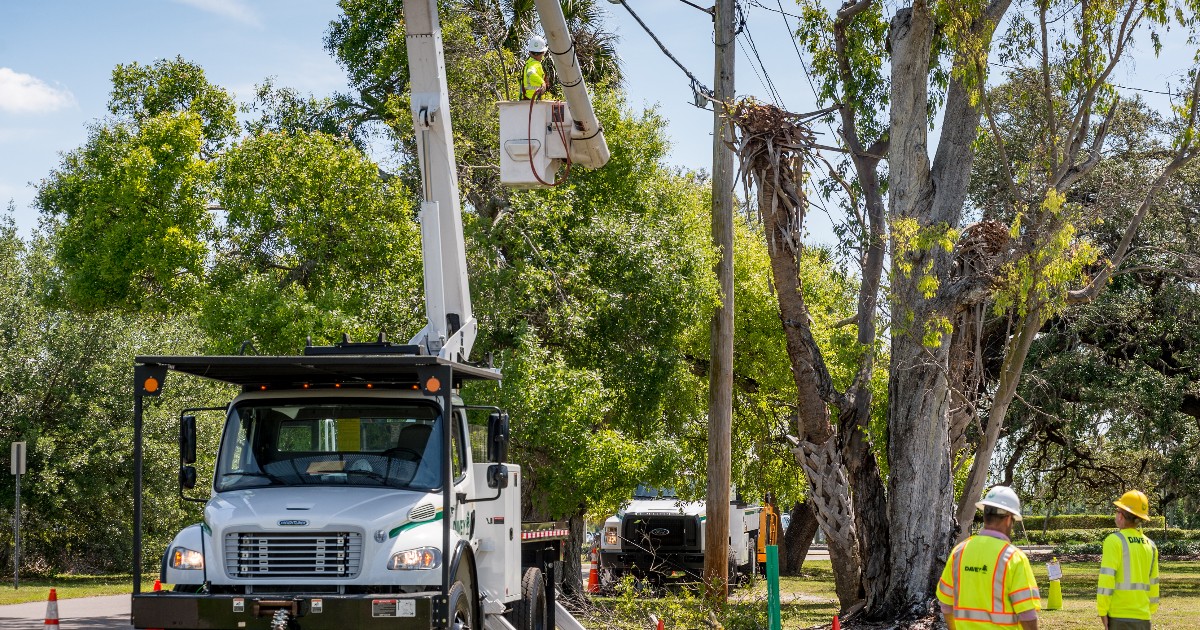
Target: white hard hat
column 536, row 44
column 1004, row 498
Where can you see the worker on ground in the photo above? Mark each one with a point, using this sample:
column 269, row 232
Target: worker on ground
column 533, row 80
column 988, row 582
column 1127, row 590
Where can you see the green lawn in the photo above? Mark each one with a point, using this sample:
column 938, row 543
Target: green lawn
column 809, row 600
column 37, row 590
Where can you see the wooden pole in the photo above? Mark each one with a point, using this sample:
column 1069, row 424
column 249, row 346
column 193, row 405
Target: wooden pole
column 720, row 376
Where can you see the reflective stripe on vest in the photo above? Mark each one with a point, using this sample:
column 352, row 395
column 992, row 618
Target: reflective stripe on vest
column 996, row 615
column 1127, row 583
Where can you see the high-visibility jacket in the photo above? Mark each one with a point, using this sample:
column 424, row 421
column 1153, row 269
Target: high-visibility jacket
column 988, row 583
column 533, row 78
column 1128, row 583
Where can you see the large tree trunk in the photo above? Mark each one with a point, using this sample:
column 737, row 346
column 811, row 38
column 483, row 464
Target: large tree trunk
column 920, row 489
column 829, row 491
column 572, row 564
column 797, row 539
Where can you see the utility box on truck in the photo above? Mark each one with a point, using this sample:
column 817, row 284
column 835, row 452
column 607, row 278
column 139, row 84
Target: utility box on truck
column 351, row 490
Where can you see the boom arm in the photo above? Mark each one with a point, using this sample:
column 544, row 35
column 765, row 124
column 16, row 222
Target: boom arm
column 451, row 328
column 588, row 147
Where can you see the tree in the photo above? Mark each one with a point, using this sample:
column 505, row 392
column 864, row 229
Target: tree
column 310, row 240
column 64, row 389
column 885, row 79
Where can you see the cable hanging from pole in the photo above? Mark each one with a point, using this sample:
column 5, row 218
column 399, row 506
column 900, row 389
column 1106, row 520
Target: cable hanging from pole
column 700, row 92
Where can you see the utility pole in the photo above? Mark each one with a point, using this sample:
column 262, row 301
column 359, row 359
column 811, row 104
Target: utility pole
column 720, row 374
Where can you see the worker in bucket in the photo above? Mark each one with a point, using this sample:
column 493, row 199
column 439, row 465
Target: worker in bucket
column 1127, row 589
column 533, row 80
column 988, row 582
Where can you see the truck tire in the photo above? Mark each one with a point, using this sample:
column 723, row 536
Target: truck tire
column 533, row 601
column 462, row 608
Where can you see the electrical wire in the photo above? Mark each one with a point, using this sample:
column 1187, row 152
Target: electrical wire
column 698, row 88
column 756, row 74
column 770, row 84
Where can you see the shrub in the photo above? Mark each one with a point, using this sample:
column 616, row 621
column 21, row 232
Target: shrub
column 1080, row 521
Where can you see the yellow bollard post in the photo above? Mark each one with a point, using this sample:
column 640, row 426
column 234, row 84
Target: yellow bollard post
column 1054, row 598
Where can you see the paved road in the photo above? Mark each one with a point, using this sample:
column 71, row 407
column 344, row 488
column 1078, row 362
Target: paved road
column 84, row 613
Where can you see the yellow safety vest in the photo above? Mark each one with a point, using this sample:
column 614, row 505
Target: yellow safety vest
column 988, row 582
column 1128, row 583
column 534, row 77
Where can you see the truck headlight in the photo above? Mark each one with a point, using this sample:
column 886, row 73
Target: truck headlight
column 184, row 558
column 610, row 536
column 416, row 559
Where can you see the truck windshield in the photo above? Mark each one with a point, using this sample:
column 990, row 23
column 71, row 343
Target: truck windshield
column 360, row 443
column 647, row 492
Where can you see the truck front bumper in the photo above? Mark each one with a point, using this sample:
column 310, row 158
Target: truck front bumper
column 661, row 563
column 195, row 611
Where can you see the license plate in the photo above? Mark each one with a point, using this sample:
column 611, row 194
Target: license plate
column 393, row 608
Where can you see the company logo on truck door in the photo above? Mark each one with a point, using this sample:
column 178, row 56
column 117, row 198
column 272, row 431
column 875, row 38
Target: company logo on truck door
column 292, row 523
column 465, row 526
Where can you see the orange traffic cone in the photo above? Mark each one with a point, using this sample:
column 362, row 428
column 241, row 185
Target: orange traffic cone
column 157, row 585
column 837, row 625
column 593, row 585
column 52, row 610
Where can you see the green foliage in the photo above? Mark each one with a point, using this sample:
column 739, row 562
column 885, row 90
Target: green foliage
column 65, row 389
column 173, row 86
column 608, row 272
column 313, row 243
column 128, row 210
column 1078, row 521
column 1064, row 536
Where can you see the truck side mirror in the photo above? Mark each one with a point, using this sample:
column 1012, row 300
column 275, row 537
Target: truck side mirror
column 187, row 440
column 497, row 476
column 187, row 477
column 498, row 436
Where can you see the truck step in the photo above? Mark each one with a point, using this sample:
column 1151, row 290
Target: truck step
column 496, row 622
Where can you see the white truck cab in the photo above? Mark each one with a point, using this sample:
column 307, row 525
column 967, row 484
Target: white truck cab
column 351, row 489
column 657, row 536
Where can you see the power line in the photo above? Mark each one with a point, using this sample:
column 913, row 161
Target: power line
column 756, row 74
column 770, row 84
column 700, row 92
column 696, row 6
column 1116, row 85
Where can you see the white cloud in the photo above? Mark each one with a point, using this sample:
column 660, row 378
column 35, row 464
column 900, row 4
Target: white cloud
column 234, row 9
column 23, row 94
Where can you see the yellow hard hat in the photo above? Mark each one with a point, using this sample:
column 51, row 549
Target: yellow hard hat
column 1136, row 503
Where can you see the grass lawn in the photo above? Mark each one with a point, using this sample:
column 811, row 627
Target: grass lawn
column 809, row 600
column 37, row 590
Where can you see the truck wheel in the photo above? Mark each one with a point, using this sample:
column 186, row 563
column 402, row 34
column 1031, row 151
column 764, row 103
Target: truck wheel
column 461, row 607
column 533, row 601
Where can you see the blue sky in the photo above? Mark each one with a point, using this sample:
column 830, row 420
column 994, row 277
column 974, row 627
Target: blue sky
column 56, row 58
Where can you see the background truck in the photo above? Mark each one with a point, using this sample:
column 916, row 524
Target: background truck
column 658, row 537
column 352, row 488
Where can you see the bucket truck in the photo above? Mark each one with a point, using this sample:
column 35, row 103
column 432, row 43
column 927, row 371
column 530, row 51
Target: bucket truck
column 353, row 486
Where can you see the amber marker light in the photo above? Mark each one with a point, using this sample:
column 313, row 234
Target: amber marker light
column 433, row 385
column 262, row 387
column 150, row 384
column 370, row 385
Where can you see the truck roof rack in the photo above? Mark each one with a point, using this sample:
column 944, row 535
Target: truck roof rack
column 375, row 365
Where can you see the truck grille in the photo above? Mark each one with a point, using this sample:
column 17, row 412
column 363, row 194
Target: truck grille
column 296, row 555
column 661, row 532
